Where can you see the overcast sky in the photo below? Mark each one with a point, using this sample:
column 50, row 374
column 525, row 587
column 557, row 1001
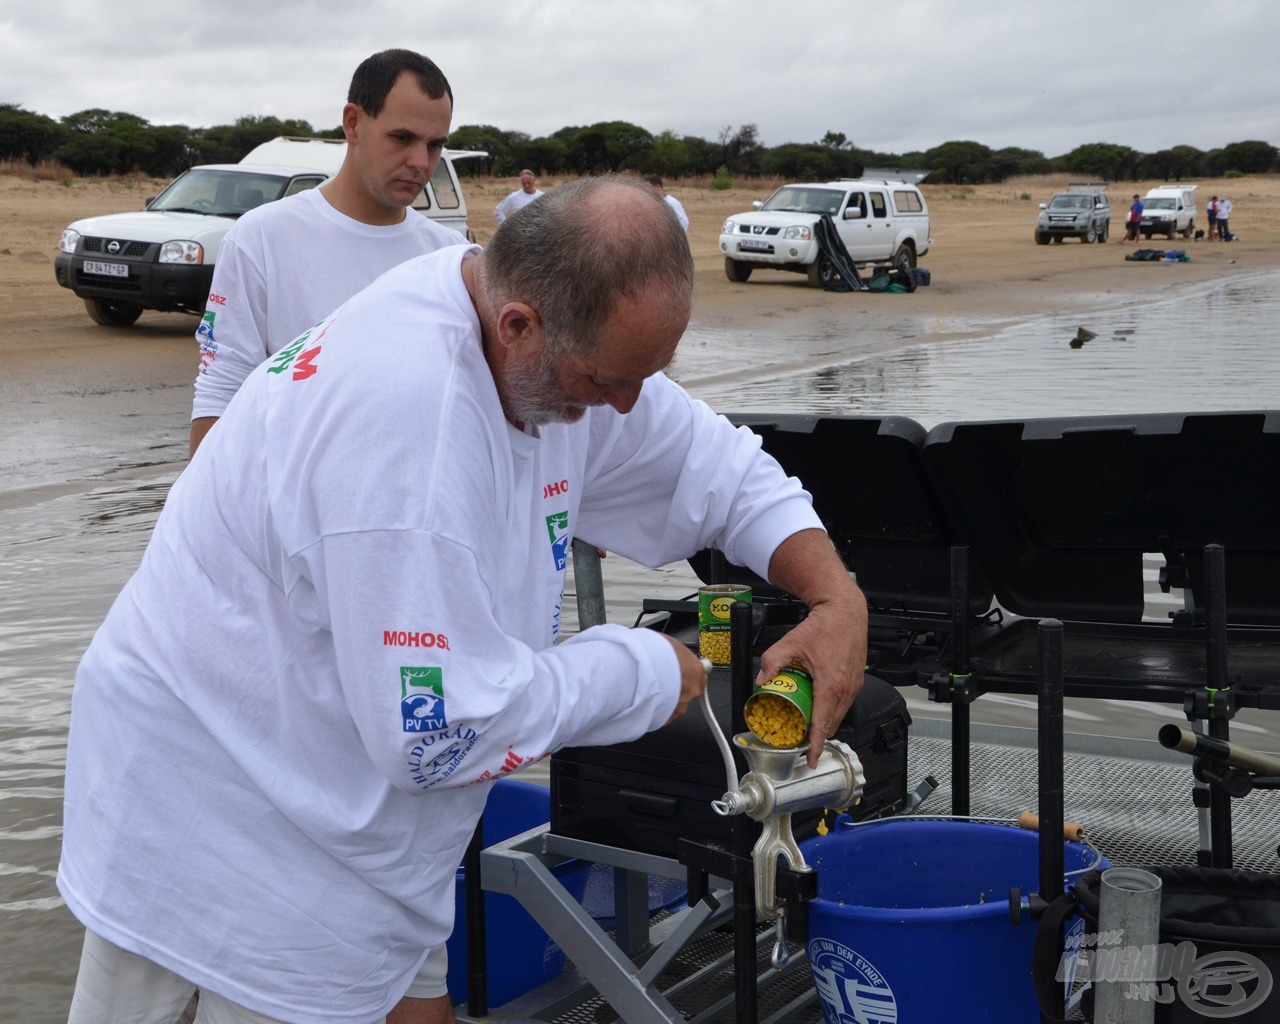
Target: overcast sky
column 892, row 76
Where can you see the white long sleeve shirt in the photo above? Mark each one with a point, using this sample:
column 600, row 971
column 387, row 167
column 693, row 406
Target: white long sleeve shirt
column 344, row 626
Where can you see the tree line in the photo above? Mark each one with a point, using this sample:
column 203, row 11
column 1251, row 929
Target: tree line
column 99, row 141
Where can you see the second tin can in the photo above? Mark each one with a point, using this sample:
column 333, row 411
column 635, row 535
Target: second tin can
column 714, row 603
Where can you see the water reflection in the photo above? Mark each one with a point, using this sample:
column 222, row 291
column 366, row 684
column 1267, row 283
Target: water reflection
column 1211, row 351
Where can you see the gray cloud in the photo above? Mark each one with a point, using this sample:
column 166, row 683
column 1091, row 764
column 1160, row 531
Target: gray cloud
column 891, row 77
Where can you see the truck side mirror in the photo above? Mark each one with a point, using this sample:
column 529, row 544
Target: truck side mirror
column 853, row 213
column 757, row 204
column 1044, row 206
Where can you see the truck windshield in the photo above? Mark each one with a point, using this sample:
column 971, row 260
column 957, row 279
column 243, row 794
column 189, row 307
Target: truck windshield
column 219, row 193
column 789, row 199
column 1159, row 203
column 1071, row 203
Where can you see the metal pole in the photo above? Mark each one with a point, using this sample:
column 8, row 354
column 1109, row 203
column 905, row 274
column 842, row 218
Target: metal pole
column 1129, row 909
column 742, row 677
column 1215, row 590
column 960, row 670
column 588, row 582
column 1049, row 722
column 477, row 949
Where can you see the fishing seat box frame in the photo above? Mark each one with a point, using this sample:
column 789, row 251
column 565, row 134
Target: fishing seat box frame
column 1059, row 513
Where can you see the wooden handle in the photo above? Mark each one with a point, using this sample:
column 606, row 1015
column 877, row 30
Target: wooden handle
column 1072, row 831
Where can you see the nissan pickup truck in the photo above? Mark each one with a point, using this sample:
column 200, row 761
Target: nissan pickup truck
column 162, row 257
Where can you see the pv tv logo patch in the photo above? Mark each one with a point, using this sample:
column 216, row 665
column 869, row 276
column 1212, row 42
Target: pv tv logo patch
column 422, row 699
column 558, row 531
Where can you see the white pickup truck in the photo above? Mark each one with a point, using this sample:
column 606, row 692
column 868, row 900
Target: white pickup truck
column 879, row 221
column 162, row 257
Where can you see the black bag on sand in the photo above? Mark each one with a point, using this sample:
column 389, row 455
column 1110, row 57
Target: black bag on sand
column 880, row 279
column 1219, row 952
column 904, row 278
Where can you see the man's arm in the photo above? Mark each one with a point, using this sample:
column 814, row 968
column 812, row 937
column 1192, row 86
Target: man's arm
column 832, row 640
column 199, row 427
column 232, row 335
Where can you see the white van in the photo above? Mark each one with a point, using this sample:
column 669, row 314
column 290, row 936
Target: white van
column 162, row 257
column 1169, row 210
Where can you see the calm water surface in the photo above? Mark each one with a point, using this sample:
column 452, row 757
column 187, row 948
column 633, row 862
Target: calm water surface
column 64, row 557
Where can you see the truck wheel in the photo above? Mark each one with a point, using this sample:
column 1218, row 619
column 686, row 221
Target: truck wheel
column 1191, row 226
column 112, row 314
column 736, row 270
column 905, row 257
column 1042, row 238
column 1104, row 232
column 1147, row 235
column 1173, row 230
column 820, row 272
column 1090, row 236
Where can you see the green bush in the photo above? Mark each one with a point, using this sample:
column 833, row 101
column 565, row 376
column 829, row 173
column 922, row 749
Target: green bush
column 1233, row 174
column 721, row 181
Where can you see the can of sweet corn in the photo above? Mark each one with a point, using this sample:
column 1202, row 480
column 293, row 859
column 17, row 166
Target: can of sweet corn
column 779, row 710
column 714, row 603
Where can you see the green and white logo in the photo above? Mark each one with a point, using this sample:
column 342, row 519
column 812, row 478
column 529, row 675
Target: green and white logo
column 422, row 698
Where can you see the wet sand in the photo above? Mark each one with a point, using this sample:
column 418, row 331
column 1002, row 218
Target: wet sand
column 70, row 390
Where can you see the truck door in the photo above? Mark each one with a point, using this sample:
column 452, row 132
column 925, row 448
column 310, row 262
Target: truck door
column 851, row 224
column 881, row 227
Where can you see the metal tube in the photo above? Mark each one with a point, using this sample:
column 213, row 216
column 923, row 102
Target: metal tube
column 588, row 583
column 1129, row 912
column 960, row 667
column 1215, row 580
column 743, row 835
column 1050, row 746
column 1179, row 737
column 477, row 944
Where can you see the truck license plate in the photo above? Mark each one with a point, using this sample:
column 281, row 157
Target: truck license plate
column 756, row 244
column 106, row 269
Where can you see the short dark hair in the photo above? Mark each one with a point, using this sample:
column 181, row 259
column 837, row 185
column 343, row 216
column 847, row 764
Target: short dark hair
column 654, row 179
column 582, row 246
column 377, row 74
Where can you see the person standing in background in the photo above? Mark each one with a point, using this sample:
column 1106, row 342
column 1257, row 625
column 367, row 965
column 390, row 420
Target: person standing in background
column 520, row 198
column 286, row 265
column 656, row 181
column 1212, row 211
column 1224, row 218
column 1134, row 221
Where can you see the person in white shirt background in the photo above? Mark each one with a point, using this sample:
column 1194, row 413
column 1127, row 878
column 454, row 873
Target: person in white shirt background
column 344, row 627
column 286, row 264
column 520, row 198
column 675, row 204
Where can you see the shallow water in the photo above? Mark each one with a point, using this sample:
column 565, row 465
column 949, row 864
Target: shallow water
column 65, row 554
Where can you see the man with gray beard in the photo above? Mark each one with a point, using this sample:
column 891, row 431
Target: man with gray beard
column 345, row 625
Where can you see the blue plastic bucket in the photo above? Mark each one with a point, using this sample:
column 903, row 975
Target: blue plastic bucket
column 911, row 922
column 521, row 955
